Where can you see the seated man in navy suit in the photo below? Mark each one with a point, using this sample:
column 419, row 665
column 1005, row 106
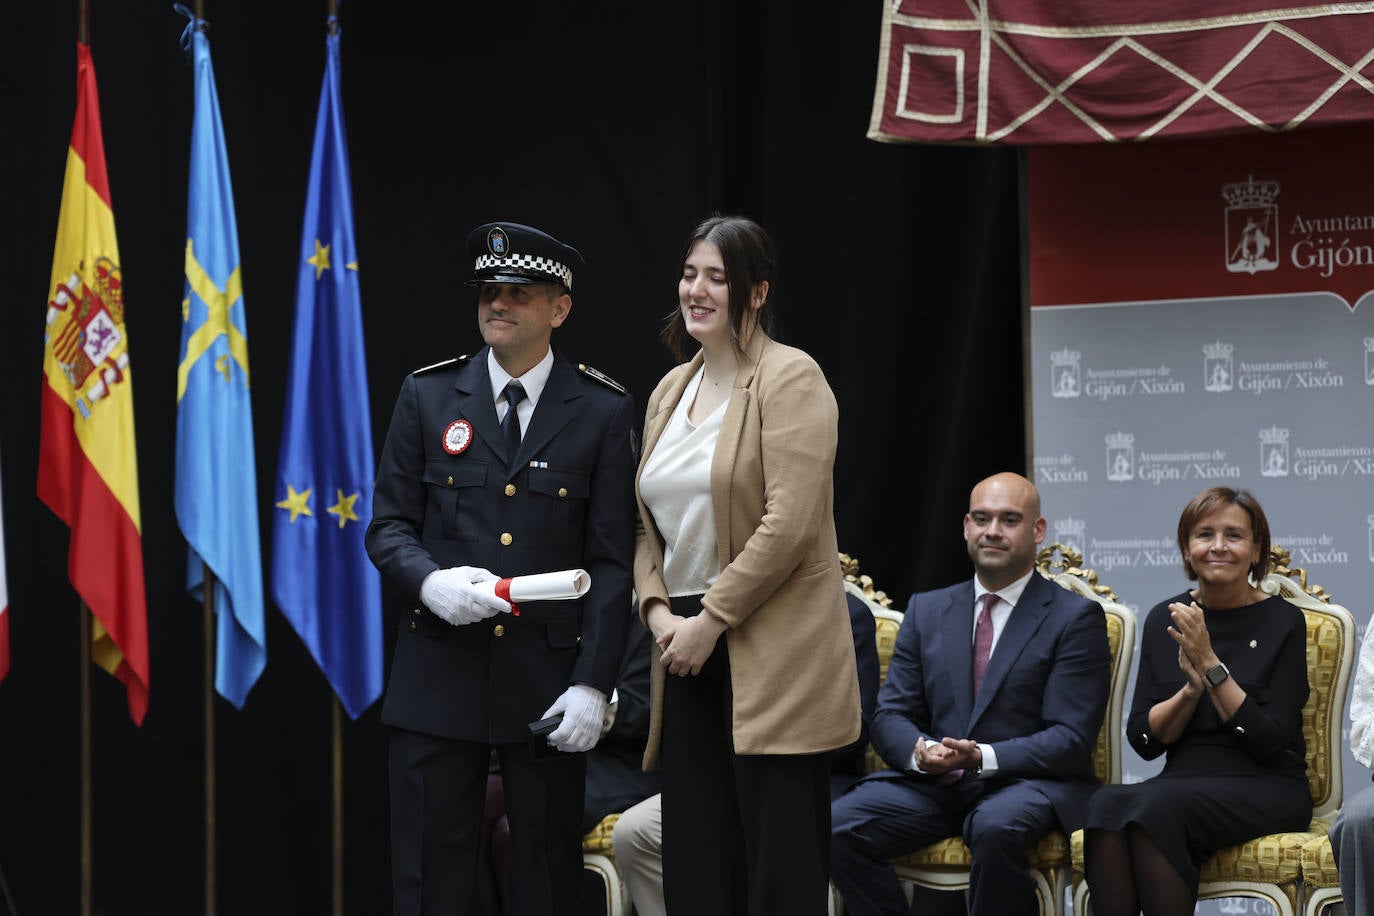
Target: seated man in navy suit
column 987, row 718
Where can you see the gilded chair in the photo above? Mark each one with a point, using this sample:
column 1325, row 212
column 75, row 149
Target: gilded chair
column 1270, row 867
column 598, row 857
column 945, row 865
column 1321, row 884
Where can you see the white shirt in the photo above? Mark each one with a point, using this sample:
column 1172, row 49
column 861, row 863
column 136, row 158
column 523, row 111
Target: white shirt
column 532, row 381
column 1001, row 611
column 676, row 489
column 1362, row 702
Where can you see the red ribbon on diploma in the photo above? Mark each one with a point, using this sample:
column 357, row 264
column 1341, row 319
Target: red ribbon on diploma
column 503, row 592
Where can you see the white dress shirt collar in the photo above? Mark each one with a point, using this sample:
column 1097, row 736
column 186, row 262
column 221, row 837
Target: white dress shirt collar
column 532, row 381
column 1010, row 594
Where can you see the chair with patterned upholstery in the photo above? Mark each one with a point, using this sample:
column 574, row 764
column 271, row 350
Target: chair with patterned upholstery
column 1321, row 884
column 945, row 865
column 1270, row 867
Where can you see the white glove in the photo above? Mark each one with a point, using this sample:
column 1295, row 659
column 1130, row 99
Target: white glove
column 582, row 708
column 451, row 594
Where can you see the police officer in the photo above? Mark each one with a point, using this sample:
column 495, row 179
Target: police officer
column 510, row 462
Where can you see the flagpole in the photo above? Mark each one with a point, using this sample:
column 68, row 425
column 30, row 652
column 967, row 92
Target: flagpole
column 83, row 34
column 208, row 692
column 336, row 728
column 85, row 662
column 336, row 709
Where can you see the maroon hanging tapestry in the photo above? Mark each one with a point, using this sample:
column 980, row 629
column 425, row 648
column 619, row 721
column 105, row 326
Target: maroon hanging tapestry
column 1085, row 71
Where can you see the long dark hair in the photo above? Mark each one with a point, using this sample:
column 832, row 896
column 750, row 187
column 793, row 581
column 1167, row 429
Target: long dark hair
column 747, row 253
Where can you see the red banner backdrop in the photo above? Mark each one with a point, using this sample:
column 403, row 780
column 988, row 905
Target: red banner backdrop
column 1222, row 218
column 1082, row 71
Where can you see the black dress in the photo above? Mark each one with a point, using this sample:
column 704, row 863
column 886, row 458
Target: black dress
column 1223, row 782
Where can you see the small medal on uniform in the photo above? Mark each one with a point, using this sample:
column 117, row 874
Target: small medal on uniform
column 458, row 437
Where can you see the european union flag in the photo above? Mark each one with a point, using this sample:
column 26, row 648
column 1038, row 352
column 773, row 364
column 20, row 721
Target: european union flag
column 321, row 576
column 216, row 486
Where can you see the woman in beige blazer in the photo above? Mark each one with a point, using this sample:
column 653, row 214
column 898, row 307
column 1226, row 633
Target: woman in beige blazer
column 737, row 572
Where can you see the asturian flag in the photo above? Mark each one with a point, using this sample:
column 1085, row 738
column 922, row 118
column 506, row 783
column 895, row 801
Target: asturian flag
column 321, row 576
column 216, row 485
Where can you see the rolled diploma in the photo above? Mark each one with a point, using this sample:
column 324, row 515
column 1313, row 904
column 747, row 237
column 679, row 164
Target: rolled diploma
column 554, row 586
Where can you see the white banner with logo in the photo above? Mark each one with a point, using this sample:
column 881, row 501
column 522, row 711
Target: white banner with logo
column 1201, row 315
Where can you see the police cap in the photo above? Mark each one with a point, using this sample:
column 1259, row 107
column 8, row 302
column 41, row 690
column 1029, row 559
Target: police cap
column 512, row 253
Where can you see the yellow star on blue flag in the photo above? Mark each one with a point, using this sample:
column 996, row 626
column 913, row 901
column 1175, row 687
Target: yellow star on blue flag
column 297, row 504
column 344, row 508
column 320, row 259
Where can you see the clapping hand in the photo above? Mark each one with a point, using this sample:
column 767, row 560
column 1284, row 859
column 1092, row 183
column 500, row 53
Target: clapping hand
column 1189, row 630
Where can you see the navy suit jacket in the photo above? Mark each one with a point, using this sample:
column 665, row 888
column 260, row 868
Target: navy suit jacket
column 564, row 501
column 850, row 761
column 1043, row 696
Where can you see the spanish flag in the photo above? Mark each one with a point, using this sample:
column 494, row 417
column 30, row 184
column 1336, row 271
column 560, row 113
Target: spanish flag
column 88, row 473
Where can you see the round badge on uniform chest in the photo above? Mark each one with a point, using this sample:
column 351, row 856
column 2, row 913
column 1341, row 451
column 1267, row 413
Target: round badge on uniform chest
column 457, row 437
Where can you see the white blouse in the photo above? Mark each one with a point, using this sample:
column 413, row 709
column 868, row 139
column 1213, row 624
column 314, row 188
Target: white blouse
column 676, row 488
column 1362, row 702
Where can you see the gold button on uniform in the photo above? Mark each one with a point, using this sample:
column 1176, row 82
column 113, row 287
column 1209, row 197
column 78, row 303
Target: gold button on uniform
column 414, row 625
column 506, row 539
column 450, row 481
column 562, row 492
column 500, row 630
column 510, row 489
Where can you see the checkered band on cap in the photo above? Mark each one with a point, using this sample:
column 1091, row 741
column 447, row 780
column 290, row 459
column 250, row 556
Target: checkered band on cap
column 527, row 262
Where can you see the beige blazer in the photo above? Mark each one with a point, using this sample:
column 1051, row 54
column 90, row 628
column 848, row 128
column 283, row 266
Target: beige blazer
column 792, row 669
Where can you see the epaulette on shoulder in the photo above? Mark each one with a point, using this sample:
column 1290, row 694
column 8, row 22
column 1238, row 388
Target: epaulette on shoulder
column 442, row 364
column 603, row 378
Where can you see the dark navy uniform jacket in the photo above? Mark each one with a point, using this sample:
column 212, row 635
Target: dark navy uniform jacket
column 565, row 501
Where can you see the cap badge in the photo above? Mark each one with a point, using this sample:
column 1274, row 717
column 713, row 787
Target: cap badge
column 458, row 437
column 497, row 243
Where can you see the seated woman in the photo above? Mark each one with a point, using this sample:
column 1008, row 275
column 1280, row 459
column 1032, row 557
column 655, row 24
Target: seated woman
column 1220, row 692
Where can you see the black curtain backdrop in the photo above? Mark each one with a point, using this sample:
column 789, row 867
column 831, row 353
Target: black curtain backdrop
column 615, row 126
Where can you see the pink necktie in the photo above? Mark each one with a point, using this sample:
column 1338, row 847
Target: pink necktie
column 982, row 641
column 982, row 650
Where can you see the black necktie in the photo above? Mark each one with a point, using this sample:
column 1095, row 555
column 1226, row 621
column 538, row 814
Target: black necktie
column 510, row 426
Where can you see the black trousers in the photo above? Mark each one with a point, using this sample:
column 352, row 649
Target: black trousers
column 438, row 796
column 743, row 835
